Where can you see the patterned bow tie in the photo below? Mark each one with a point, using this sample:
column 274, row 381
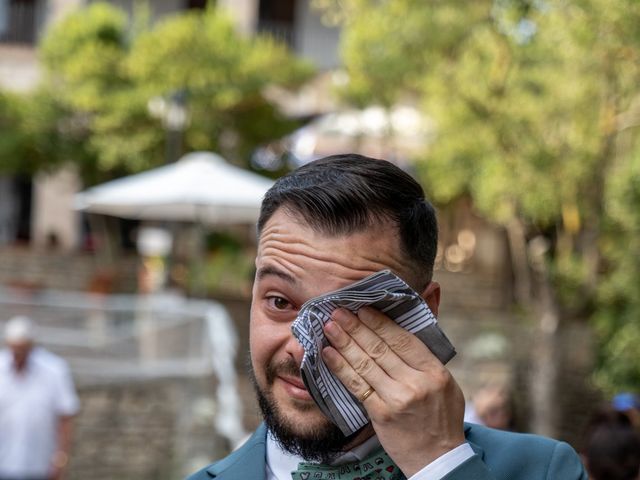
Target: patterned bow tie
column 377, row 466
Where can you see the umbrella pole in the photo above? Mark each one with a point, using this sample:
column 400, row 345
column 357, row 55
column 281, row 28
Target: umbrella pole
column 98, row 227
column 198, row 261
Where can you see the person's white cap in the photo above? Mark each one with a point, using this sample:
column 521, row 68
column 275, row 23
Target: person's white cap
column 19, row 329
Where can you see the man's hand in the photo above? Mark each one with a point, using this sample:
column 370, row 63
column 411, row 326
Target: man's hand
column 56, row 473
column 416, row 407
column 58, row 465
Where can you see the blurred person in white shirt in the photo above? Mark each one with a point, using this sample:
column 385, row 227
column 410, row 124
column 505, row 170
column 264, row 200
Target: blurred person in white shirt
column 491, row 407
column 37, row 404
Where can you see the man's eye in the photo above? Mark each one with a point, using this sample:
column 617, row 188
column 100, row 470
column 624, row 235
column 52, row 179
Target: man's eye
column 279, row 303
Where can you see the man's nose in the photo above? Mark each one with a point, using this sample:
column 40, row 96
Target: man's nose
column 294, row 348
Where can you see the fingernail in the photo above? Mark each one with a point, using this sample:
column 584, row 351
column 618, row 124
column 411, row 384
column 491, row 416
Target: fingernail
column 364, row 313
column 330, row 329
column 338, row 313
column 328, row 354
column 341, row 316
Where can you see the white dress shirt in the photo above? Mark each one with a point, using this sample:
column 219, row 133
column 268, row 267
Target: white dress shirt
column 31, row 403
column 280, row 464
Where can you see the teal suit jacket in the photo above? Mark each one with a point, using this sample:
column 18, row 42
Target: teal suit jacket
column 499, row 456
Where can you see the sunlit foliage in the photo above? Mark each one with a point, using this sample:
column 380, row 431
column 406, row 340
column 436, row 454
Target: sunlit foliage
column 536, row 111
column 102, row 70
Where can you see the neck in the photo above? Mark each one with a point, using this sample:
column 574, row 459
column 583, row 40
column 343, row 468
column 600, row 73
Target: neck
column 20, row 362
column 20, row 366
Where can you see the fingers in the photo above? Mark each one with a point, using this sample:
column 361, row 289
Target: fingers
column 363, row 346
column 354, row 382
column 371, row 350
column 356, row 361
column 408, row 349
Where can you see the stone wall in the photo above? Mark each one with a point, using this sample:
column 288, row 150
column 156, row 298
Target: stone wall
column 159, row 429
column 125, row 432
column 35, row 269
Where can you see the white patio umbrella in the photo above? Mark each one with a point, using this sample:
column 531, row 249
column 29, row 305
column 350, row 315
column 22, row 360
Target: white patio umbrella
column 200, row 187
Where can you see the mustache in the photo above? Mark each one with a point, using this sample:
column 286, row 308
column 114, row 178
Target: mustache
column 286, row 367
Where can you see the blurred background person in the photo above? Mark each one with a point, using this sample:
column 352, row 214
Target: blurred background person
column 37, row 404
column 613, row 447
column 491, row 406
column 628, row 404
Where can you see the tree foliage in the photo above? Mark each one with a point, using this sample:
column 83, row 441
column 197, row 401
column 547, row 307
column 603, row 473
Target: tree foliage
column 535, row 103
column 102, row 71
column 33, row 138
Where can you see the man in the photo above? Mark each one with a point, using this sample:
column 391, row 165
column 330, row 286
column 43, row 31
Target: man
column 612, row 448
column 37, row 404
column 628, row 404
column 491, row 407
column 323, row 227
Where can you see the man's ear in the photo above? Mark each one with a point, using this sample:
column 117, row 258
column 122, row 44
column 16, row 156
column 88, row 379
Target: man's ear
column 431, row 295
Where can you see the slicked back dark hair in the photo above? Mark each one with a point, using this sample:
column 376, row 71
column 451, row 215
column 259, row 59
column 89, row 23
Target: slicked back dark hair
column 344, row 194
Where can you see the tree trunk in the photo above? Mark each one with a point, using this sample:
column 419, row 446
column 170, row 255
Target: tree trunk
column 544, row 362
column 518, row 249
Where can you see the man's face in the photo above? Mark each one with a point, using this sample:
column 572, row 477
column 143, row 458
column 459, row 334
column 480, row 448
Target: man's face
column 295, row 263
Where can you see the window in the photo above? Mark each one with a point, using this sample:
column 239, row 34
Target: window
column 277, row 17
column 18, row 21
column 197, row 4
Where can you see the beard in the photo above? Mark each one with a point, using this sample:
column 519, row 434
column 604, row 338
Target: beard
column 320, row 443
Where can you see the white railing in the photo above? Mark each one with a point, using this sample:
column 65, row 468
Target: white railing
column 115, row 338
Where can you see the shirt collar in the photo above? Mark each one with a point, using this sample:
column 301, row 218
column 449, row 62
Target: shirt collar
column 281, row 463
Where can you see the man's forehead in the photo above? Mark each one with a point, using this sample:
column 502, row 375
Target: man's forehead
column 284, row 216
column 285, row 225
column 287, row 216
column 289, row 247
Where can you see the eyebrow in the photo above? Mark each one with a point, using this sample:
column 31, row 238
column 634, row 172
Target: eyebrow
column 269, row 270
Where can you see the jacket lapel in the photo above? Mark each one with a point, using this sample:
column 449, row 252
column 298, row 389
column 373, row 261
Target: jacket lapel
column 475, row 447
column 246, row 462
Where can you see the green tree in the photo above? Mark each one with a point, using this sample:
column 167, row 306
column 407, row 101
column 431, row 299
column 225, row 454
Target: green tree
column 534, row 102
column 224, row 76
column 12, row 140
column 34, row 137
column 102, row 72
column 617, row 318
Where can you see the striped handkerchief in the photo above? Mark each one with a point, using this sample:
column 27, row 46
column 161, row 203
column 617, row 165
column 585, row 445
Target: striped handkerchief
column 383, row 291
